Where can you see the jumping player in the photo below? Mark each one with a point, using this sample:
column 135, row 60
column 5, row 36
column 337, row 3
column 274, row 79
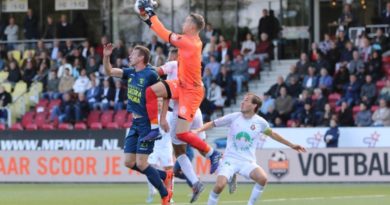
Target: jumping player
column 245, row 130
column 188, row 89
column 138, row 78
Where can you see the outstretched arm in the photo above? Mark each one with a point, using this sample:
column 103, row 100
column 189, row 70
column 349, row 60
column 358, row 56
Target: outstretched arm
column 110, row 71
column 282, row 140
column 205, row 127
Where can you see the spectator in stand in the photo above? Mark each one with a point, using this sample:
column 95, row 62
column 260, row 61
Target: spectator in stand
column 64, row 29
column 363, row 117
column 5, row 99
column 375, row 66
column 385, row 92
column 347, row 19
column 29, row 73
column 279, row 122
column 264, row 48
column 213, row 66
column 299, row 104
column 346, row 55
column 292, row 74
column 63, row 112
column 29, row 58
column 368, row 91
column 356, row 63
column 381, row 116
column 11, row 31
column 386, row 14
column 224, row 52
column 264, row 24
column 326, row 81
column 81, row 108
column 30, row 26
column 52, row 86
column 82, row 83
column 207, row 78
column 322, row 63
column 76, row 68
column 64, row 65
column 341, row 39
column 119, row 51
column 107, row 95
column 154, row 43
column 209, row 33
column 55, row 50
column 209, row 49
column 351, row 91
column 319, row 103
column 332, row 135
column 240, row 72
column 274, row 90
column 68, row 48
column 340, row 79
column 66, row 81
column 271, row 116
column 267, row 102
column 307, row 118
column 314, row 52
column 76, row 54
column 214, row 96
column 93, row 95
column 333, row 56
column 119, row 96
column 43, row 59
column 326, row 117
column 95, row 55
column 310, row 81
column 294, row 87
column 284, row 104
column 225, row 80
column 14, row 74
column 345, row 115
column 119, row 64
column 40, row 48
column 49, row 31
column 99, row 48
column 42, row 74
column 275, row 27
column 365, row 50
column 158, row 59
column 85, row 49
column 380, row 41
column 326, row 45
column 303, row 65
column 248, row 47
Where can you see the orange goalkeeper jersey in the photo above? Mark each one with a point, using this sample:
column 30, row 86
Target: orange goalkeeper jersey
column 190, row 53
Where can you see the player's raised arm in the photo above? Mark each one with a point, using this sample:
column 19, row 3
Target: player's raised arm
column 110, row 71
column 282, row 140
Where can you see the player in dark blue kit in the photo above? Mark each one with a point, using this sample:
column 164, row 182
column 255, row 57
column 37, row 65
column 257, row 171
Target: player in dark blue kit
column 139, row 76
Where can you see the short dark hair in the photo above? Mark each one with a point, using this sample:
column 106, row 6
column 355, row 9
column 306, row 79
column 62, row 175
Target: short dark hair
column 198, row 20
column 173, row 50
column 143, row 51
column 256, row 100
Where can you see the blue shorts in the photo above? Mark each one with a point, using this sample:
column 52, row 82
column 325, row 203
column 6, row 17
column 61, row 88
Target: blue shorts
column 139, row 129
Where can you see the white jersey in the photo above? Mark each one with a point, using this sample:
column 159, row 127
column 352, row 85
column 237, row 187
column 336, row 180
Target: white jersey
column 243, row 136
column 170, row 69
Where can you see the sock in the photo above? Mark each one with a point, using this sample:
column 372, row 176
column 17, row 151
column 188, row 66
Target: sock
column 193, row 140
column 256, row 194
column 186, row 167
column 163, row 174
column 210, row 152
column 154, row 178
column 213, row 198
column 152, row 107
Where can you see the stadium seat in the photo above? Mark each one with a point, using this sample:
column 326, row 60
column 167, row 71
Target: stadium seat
column 386, row 59
column 28, row 118
column 236, row 52
column 355, row 110
column 7, row 87
column 65, row 126
column 96, row 126
column 291, row 123
column 26, row 52
column 3, row 76
column 93, row 116
column 52, row 104
column 32, row 126
column 337, row 109
column 106, row 117
column 19, row 89
column 380, row 84
column 374, row 108
column 16, row 127
column 17, row 56
column 112, row 125
column 41, row 118
column 2, row 127
column 333, row 98
column 42, row 104
column 254, row 69
column 48, row 126
column 80, row 126
column 120, row 117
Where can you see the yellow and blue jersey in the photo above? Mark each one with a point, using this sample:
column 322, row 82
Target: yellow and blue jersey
column 137, row 82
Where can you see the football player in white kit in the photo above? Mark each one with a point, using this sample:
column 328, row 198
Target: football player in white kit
column 245, row 130
column 168, row 124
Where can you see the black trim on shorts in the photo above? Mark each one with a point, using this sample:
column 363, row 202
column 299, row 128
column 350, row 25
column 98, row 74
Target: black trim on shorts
column 167, row 88
column 180, row 117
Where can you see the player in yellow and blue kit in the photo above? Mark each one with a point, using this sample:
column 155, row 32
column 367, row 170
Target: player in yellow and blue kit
column 139, row 77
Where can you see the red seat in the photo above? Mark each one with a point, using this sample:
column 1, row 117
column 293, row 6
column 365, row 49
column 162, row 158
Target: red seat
column 338, row 109
column 380, row 84
column 236, row 52
column 2, row 126
column 52, row 104
column 254, row 68
column 355, row 109
column 48, row 126
column 374, row 108
column 106, row 117
column 80, row 126
column 291, row 123
column 65, row 126
column 42, row 104
column 32, row 126
column 17, row 127
column 93, row 116
column 41, row 118
column 333, row 98
column 112, row 125
column 120, row 117
column 96, row 126
column 386, row 59
column 28, row 118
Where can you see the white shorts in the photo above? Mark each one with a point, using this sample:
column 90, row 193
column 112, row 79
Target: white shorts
column 195, row 124
column 231, row 166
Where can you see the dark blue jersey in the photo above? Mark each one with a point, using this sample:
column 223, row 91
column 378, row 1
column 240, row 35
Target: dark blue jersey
column 137, row 82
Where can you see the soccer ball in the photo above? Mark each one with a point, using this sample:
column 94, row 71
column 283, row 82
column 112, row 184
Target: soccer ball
column 278, row 156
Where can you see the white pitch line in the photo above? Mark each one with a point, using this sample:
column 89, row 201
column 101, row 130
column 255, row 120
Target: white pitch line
column 295, row 199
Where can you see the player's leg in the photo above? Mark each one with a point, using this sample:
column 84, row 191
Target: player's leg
column 227, row 169
column 257, row 174
column 153, row 161
column 217, row 190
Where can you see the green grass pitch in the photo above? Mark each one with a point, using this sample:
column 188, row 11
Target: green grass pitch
column 135, row 194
